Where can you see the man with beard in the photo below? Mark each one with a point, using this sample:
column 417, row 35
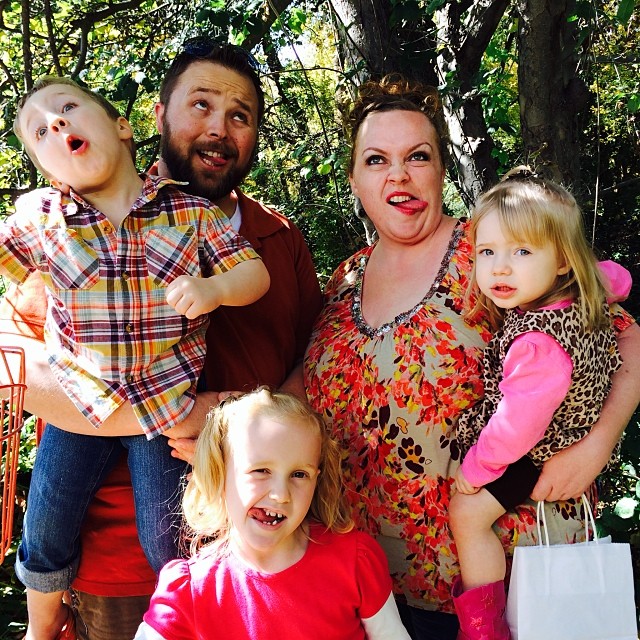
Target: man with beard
column 211, row 104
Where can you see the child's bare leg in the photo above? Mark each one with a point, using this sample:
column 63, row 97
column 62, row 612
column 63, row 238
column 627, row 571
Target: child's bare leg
column 480, row 552
column 47, row 614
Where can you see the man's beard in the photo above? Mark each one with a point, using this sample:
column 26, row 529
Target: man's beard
column 213, row 187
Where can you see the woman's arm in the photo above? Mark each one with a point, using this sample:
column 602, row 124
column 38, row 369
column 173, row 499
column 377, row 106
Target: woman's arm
column 570, row 472
column 295, row 382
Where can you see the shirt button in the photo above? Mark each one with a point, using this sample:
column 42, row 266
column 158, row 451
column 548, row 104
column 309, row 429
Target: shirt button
column 128, row 328
column 129, row 378
column 107, row 227
column 124, row 275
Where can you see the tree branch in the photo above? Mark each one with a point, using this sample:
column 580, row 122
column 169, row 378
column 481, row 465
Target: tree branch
column 48, row 15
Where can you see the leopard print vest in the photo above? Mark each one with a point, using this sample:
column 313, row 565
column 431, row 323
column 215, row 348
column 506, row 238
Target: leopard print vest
column 595, row 358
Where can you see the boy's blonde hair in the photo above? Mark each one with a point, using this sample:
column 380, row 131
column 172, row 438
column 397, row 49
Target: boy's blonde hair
column 48, row 81
column 204, row 503
column 538, row 211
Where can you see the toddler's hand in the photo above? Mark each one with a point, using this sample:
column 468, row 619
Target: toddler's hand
column 191, row 296
column 463, row 485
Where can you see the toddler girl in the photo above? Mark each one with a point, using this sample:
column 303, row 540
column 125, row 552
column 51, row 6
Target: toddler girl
column 547, row 371
column 284, row 562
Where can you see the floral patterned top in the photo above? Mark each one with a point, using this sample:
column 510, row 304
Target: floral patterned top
column 393, row 396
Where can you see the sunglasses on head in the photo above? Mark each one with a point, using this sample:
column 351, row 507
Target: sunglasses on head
column 202, row 46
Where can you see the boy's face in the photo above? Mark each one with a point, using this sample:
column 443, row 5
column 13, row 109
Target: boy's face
column 73, row 138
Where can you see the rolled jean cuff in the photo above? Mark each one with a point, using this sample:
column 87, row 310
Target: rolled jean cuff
column 49, row 581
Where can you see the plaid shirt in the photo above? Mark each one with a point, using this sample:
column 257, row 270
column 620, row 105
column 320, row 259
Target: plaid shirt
column 110, row 334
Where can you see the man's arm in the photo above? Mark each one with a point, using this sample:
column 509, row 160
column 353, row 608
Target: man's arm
column 46, row 399
column 570, row 472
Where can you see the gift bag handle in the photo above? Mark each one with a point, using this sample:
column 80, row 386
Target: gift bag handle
column 589, row 519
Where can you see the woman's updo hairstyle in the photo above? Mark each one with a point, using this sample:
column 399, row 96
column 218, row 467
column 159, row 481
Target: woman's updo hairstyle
column 396, row 93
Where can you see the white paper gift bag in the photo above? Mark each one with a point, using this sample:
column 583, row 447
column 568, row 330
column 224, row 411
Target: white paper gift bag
column 578, row 591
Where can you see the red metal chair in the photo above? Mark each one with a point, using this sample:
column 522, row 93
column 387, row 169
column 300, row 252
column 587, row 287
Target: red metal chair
column 12, row 388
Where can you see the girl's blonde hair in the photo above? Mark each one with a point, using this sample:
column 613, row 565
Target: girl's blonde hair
column 204, row 503
column 536, row 210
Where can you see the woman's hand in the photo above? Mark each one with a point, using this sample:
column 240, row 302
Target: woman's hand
column 570, row 472
column 462, row 485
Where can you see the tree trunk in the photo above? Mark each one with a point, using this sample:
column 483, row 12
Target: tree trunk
column 551, row 95
column 375, row 41
column 464, row 30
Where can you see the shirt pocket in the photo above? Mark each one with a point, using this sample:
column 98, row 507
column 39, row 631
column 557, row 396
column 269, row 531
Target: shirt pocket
column 70, row 261
column 172, row 252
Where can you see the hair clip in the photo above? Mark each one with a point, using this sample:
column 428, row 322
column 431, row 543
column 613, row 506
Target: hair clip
column 521, row 173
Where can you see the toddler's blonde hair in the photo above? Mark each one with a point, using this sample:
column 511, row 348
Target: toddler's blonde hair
column 535, row 210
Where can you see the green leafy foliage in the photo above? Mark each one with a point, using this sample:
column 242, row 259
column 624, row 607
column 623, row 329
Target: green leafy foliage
column 625, row 11
column 620, row 489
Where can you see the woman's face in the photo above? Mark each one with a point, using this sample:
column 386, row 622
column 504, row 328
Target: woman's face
column 398, row 175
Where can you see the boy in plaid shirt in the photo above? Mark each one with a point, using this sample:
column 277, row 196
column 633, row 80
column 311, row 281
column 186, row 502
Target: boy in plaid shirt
column 132, row 266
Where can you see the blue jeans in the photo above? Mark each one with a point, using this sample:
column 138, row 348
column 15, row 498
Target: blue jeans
column 428, row 625
column 68, row 471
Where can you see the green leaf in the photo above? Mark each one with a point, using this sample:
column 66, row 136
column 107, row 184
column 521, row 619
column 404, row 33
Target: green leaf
column 12, row 141
column 408, row 11
column 434, row 5
column 219, row 19
column 625, row 10
column 633, row 103
column 625, row 508
column 126, row 89
column 609, row 521
column 297, row 20
column 324, row 168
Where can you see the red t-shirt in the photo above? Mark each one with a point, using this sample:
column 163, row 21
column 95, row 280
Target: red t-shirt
column 341, row 579
column 246, row 346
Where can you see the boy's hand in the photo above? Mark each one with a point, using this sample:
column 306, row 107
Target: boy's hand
column 462, row 484
column 192, row 297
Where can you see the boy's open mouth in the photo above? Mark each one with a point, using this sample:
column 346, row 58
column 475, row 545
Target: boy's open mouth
column 75, row 143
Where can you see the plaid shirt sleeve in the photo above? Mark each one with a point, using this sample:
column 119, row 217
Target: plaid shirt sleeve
column 223, row 247
column 20, row 242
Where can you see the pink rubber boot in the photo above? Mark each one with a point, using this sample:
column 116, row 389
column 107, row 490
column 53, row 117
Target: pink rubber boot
column 481, row 611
